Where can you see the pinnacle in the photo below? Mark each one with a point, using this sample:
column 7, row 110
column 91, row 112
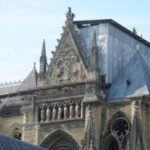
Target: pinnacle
column 43, row 49
column 94, row 44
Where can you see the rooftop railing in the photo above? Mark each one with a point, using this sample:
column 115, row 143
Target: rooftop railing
column 10, row 84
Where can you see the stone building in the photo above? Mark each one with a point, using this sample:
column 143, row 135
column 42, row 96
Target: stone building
column 93, row 95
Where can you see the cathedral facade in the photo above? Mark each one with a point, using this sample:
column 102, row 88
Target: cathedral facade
column 93, row 95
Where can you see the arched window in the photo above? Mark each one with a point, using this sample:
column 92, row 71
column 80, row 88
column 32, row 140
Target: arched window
column 118, row 130
column 60, row 140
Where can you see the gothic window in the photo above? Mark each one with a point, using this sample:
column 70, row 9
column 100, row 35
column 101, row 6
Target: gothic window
column 117, row 133
column 120, row 128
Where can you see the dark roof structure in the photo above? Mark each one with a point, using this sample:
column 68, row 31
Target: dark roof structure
column 9, row 143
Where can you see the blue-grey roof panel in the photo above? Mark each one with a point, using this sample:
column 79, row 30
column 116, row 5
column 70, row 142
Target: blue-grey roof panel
column 134, row 80
column 9, row 143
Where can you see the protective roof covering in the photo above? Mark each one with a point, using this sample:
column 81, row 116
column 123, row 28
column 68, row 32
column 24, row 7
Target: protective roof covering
column 9, row 143
column 134, row 80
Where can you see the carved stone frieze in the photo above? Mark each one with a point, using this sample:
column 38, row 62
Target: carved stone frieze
column 67, row 65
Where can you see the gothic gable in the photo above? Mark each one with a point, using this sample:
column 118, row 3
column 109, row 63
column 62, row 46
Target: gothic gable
column 67, row 64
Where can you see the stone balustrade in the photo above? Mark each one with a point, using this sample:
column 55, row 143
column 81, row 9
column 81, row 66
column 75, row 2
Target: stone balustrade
column 58, row 111
column 10, row 84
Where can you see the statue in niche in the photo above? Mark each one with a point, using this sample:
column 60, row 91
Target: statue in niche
column 59, row 112
column 77, row 110
column 71, row 110
column 54, row 112
column 42, row 113
column 65, row 111
column 48, row 113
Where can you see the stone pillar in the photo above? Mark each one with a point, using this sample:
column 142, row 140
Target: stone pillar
column 37, row 114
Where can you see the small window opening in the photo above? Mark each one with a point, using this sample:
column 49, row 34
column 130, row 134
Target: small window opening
column 128, row 82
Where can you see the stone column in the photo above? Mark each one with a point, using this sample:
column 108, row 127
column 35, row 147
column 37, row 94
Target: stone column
column 37, row 114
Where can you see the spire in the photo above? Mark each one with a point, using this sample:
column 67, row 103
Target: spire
column 94, row 44
column 136, row 137
column 89, row 134
column 43, row 53
column 94, row 57
column 43, row 61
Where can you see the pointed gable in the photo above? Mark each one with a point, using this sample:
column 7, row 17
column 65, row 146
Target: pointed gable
column 69, row 61
column 30, row 82
column 134, row 80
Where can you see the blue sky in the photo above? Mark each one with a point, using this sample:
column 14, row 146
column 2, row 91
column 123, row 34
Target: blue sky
column 24, row 24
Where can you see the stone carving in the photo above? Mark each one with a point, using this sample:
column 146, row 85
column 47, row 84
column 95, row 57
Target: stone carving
column 71, row 110
column 77, row 110
column 59, row 112
column 66, row 64
column 42, row 113
column 48, row 113
column 65, row 111
column 54, row 112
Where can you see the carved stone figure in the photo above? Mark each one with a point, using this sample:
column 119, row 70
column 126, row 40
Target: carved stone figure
column 77, row 111
column 42, row 113
column 65, row 111
column 54, row 112
column 59, row 112
column 48, row 113
column 71, row 111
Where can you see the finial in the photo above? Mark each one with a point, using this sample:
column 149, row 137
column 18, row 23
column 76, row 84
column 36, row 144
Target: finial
column 134, row 30
column 34, row 65
column 137, row 47
column 43, row 48
column 70, row 16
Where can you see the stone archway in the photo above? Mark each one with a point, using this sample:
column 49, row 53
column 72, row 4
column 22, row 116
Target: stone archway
column 60, row 140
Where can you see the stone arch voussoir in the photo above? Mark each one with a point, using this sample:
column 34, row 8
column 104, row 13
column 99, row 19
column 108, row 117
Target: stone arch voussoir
column 53, row 137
